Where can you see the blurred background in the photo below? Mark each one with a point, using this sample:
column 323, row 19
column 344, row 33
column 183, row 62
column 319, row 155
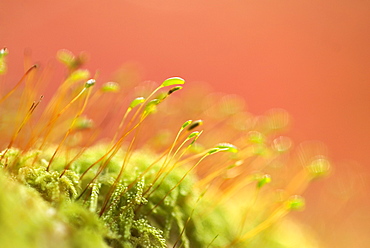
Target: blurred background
column 311, row 58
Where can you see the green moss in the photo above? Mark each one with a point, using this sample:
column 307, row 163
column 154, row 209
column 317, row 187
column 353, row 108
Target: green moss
column 27, row 220
column 115, row 196
column 145, row 214
column 45, row 207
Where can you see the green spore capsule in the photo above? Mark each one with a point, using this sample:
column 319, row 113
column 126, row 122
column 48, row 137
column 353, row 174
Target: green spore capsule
column 89, row 83
column 227, row 147
column 256, row 137
column 110, row 87
column 174, row 89
column 3, row 53
column 263, row 180
column 194, row 134
column 66, row 57
column 136, row 102
column 172, row 81
column 79, row 75
column 83, row 123
column 213, row 150
column 187, row 123
column 295, row 202
column 195, row 124
column 152, row 106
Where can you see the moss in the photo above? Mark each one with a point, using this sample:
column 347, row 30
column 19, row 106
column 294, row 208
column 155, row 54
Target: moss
column 59, row 189
column 45, row 207
column 27, row 220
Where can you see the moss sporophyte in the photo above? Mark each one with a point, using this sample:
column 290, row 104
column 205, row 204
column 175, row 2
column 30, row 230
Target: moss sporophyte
column 118, row 165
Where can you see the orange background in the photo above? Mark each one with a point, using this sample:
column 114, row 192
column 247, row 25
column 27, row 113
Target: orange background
column 311, row 58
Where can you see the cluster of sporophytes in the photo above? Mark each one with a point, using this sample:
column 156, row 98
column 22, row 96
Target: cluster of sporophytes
column 114, row 165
